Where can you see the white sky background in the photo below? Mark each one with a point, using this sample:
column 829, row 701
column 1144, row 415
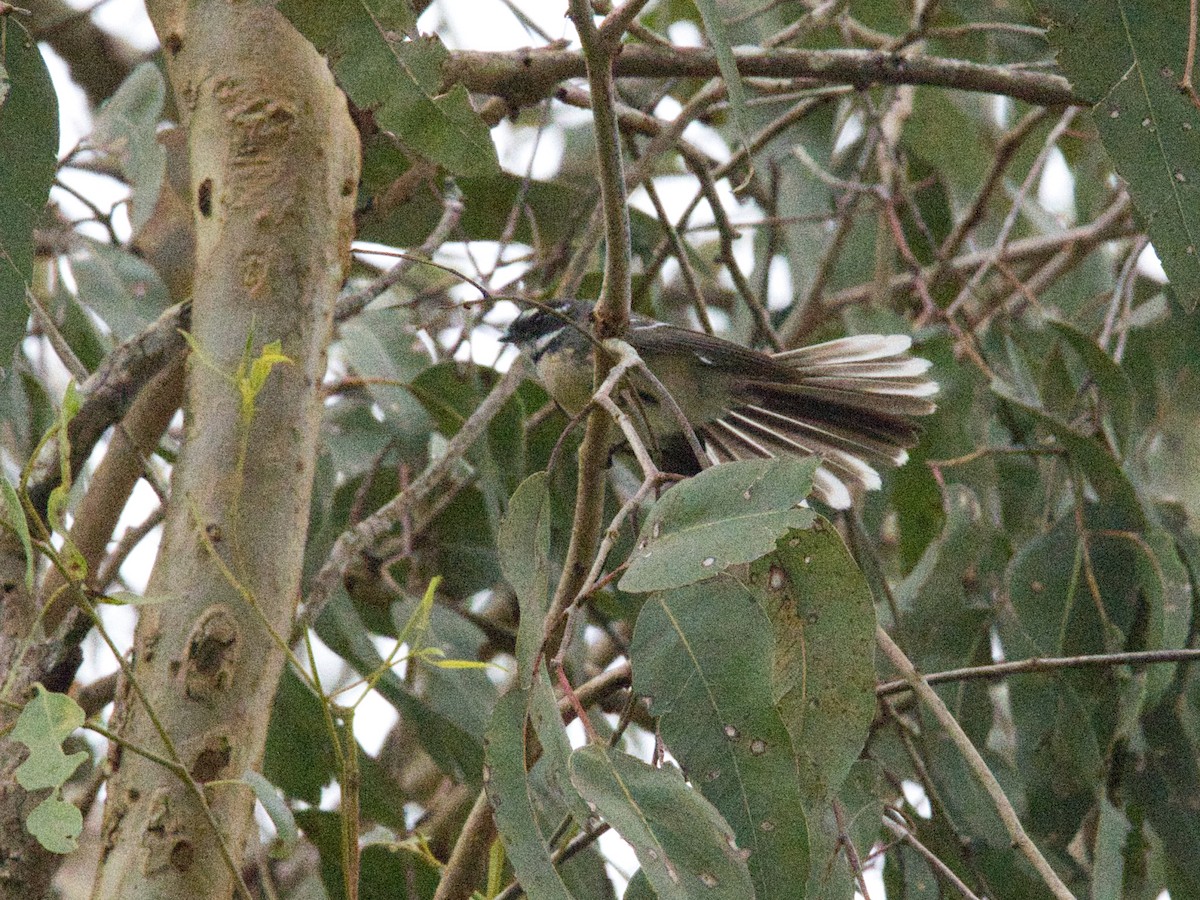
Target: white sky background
column 478, row 25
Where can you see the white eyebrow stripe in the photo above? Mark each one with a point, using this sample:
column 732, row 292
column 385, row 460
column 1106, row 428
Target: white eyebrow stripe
column 544, row 341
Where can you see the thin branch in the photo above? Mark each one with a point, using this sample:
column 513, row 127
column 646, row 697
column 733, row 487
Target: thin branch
column 465, row 865
column 526, row 76
column 110, row 391
column 1185, row 83
column 352, row 304
column 1014, row 212
column 1006, row 149
column 1044, row 664
column 1113, row 223
column 1008, row 815
column 932, row 858
column 366, row 534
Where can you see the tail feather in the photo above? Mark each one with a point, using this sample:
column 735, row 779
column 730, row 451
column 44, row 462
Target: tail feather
column 848, row 401
column 858, row 348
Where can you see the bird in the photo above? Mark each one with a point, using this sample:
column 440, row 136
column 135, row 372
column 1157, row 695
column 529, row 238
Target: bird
column 849, row 401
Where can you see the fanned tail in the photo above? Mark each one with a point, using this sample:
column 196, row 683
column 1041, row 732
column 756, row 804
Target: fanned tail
column 848, row 401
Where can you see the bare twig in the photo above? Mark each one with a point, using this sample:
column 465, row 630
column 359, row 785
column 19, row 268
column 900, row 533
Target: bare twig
column 1014, row 212
column 526, row 76
column 1185, row 83
column 367, row 533
column 354, row 303
column 930, row 857
column 1008, row 815
column 1048, row 664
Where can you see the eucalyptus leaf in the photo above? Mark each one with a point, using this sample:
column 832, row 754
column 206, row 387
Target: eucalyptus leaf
column 1111, row 380
column 703, row 654
column 287, row 834
column 28, row 157
column 507, row 784
column 397, row 75
column 1127, row 57
column 726, row 515
column 523, row 542
column 823, row 619
column 121, row 288
column 127, row 129
column 686, row 849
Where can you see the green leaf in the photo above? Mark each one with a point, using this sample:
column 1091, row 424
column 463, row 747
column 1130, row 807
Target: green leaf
column 124, row 290
column 823, row 617
column 726, row 515
column 1165, row 786
column 1102, row 471
column 523, row 542
column 1127, row 56
column 298, row 757
column 507, row 785
column 127, row 129
column 686, row 849
column 47, row 720
column 639, row 888
column 703, row 655
column 1111, row 381
column 28, row 159
column 398, row 79
column 556, row 746
column 287, row 835
column 56, row 824
column 718, row 36
column 947, row 614
column 386, row 865
column 14, row 516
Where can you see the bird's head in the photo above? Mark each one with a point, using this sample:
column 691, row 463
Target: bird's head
column 544, row 328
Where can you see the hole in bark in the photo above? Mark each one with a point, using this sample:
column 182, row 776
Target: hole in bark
column 212, row 760
column 182, row 856
column 204, row 197
column 212, row 652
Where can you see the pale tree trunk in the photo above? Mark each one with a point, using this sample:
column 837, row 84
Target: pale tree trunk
column 274, row 162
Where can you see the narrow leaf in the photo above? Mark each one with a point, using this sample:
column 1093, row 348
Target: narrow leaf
column 287, row 834
column 1111, row 380
column 14, row 515
column 28, row 157
column 686, row 849
column 1102, row 471
column 523, row 542
column 718, row 36
column 703, row 655
column 507, row 784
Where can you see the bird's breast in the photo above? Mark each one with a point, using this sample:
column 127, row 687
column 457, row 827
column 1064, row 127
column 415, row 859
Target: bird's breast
column 567, row 376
